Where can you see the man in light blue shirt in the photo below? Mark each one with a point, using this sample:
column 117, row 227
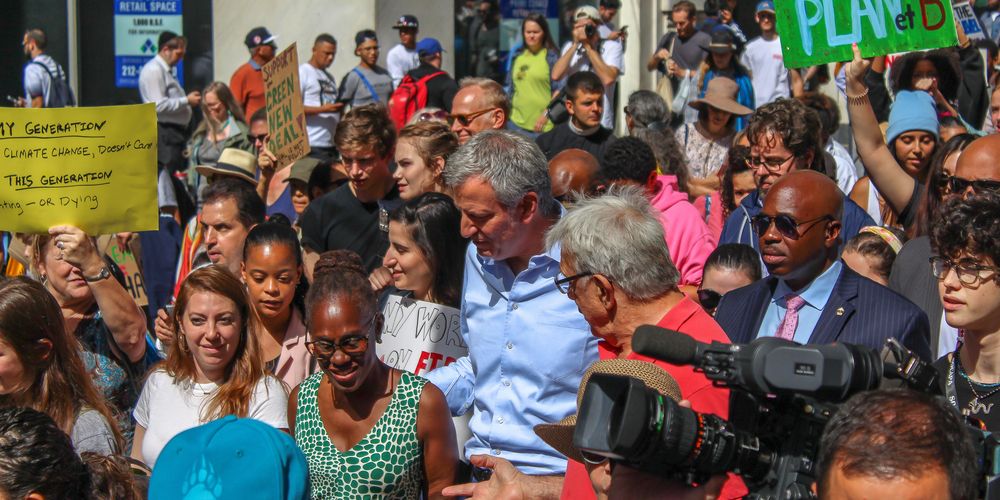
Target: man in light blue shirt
column 528, row 343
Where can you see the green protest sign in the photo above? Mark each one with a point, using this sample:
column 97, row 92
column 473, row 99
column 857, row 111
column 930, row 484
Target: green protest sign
column 821, row 31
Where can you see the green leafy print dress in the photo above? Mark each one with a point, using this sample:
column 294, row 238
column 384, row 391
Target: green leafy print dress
column 385, row 464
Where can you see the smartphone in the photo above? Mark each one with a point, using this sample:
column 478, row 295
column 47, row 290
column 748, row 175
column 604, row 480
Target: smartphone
column 169, row 308
column 623, row 28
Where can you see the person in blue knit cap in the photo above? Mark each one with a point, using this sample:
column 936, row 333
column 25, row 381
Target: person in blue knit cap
column 231, row 459
column 911, row 140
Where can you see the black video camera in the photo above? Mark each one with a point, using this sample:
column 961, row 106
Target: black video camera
column 782, row 395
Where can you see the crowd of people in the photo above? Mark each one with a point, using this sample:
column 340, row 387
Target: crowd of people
column 729, row 212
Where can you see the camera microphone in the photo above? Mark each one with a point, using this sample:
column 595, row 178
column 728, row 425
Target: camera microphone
column 671, row 346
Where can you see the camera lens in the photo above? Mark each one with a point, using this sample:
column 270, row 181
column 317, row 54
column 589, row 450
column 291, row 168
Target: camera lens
column 589, row 30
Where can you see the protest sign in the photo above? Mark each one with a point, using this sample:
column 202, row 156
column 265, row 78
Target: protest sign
column 966, row 17
column 420, row 336
column 124, row 258
column 93, row 168
column 821, row 31
column 285, row 117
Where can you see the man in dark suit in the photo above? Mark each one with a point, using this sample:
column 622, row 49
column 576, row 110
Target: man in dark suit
column 810, row 295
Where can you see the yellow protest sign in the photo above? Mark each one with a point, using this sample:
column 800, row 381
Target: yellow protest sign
column 92, row 167
column 286, row 120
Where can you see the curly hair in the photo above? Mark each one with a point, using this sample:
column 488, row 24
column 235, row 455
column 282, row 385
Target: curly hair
column 37, row 457
column 827, row 111
column 341, row 273
column 627, row 159
column 667, row 151
column 367, row 126
column 793, row 122
column 934, row 185
column 968, row 226
column 945, row 61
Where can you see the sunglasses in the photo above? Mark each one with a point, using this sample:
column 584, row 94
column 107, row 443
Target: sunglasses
column 785, row 224
column 261, row 137
column 465, row 120
column 709, row 299
column 426, row 116
column 959, row 185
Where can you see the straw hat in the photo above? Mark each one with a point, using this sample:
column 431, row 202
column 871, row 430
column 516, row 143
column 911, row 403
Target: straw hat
column 560, row 434
column 721, row 94
column 234, row 163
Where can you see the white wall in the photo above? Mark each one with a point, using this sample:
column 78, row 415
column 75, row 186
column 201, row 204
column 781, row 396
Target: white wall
column 301, row 20
column 291, row 21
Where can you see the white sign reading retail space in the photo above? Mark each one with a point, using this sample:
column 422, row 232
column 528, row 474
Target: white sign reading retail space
column 138, row 24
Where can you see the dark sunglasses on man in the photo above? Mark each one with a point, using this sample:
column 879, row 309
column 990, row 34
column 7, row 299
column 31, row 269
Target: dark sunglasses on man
column 709, row 299
column 960, row 185
column 785, row 224
column 465, row 120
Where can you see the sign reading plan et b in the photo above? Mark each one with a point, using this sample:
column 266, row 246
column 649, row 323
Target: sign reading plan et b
column 821, row 31
column 93, row 168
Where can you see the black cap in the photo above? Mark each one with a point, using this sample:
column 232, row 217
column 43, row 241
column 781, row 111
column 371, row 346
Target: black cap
column 611, row 4
column 722, row 41
column 165, row 38
column 259, row 36
column 407, row 21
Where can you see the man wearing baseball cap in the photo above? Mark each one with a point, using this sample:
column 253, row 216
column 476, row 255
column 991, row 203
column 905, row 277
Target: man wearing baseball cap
column 403, row 57
column 764, row 60
column 587, row 52
column 441, row 89
column 247, row 83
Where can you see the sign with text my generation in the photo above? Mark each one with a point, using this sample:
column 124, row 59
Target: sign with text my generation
column 821, row 31
column 92, row 167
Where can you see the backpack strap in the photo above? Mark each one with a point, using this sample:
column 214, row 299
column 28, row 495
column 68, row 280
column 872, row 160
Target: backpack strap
column 424, row 80
column 368, row 85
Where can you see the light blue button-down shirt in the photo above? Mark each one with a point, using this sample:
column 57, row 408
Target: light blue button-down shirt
column 528, row 349
column 816, row 295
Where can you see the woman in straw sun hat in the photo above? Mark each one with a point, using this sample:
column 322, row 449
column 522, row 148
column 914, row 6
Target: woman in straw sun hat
column 706, row 142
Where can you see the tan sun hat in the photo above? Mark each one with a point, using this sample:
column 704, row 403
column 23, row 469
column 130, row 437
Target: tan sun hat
column 234, row 163
column 721, row 94
column 560, row 434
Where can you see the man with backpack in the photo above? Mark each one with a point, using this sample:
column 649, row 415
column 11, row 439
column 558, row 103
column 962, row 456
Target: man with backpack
column 45, row 83
column 425, row 86
column 319, row 98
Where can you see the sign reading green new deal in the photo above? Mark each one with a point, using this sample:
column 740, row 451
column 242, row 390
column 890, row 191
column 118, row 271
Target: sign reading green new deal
column 821, row 31
column 138, row 24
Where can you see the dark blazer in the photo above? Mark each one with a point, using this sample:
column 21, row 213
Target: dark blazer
column 912, row 278
column 859, row 311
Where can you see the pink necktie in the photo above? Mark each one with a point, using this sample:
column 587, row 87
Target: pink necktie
column 786, row 330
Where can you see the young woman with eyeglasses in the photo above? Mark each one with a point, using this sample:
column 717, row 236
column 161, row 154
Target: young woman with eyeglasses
column 965, row 262
column 728, row 267
column 365, row 428
column 422, row 150
column 213, row 368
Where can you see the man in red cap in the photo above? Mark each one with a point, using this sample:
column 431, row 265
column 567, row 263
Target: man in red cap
column 247, row 83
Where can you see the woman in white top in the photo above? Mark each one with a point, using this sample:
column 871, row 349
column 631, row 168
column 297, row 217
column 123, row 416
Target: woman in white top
column 213, row 368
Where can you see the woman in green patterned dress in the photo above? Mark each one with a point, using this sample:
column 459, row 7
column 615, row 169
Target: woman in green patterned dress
column 367, row 430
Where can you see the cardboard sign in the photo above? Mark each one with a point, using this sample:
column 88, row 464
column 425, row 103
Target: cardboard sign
column 821, row 31
column 125, row 259
column 285, row 118
column 93, row 168
column 965, row 16
column 420, row 336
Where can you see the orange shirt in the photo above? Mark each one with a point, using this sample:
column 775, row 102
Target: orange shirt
column 247, row 85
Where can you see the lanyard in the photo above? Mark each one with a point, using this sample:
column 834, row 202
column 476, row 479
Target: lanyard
column 950, row 392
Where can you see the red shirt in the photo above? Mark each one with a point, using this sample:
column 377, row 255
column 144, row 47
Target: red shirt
column 689, row 318
column 247, row 85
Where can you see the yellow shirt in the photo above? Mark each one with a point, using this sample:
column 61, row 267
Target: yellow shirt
column 532, row 89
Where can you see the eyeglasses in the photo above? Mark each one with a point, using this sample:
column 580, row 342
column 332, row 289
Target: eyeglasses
column 465, row 120
column 437, row 115
column 959, row 185
column 969, row 272
column 352, row 345
column 709, row 299
column 564, row 284
column 261, row 137
column 770, row 164
column 785, row 224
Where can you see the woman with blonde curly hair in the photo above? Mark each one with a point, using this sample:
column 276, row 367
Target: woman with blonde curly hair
column 213, row 367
